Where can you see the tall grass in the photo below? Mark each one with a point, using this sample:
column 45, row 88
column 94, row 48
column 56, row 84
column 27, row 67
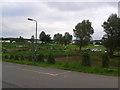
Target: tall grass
column 70, row 66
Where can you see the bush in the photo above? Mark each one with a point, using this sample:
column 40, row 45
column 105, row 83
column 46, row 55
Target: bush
column 4, row 50
column 51, row 59
column 30, row 58
column 105, row 60
column 16, row 57
column 86, row 59
column 40, row 58
column 6, row 57
column 11, row 57
column 21, row 58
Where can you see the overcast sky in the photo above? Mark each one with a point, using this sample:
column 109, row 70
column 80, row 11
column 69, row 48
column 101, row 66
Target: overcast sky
column 53, row 17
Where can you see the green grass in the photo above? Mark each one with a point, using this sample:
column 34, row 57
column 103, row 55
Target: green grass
column 28, row 49
column 74, row 61
column 71, row 66
column 72, row 47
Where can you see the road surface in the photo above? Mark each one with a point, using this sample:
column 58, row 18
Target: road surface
column 24, row 76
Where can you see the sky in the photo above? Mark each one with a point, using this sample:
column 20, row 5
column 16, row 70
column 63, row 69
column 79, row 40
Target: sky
column 53, row 17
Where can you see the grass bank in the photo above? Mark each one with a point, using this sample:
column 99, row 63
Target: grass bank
column 71, row 66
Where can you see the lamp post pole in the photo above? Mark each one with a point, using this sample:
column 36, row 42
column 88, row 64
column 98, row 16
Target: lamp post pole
column 35, row 43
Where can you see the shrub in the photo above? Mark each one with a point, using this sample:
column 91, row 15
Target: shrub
column 16, row 57
column 4, row 50
column 51, row 59
column 21, row 58
column 6, row 57
column 86, row 59
column 30, row 58
column 40, row 58
column 11, row 57
column 105, row 60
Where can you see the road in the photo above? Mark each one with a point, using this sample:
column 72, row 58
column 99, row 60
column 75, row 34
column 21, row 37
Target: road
column 25, row 76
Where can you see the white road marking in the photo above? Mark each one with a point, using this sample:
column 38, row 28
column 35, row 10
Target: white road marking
column 8, row 66
column 45, row 72
column 38, row 72
column 51, row 74
column 62, row 73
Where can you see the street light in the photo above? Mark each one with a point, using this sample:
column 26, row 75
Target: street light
column 35, row 47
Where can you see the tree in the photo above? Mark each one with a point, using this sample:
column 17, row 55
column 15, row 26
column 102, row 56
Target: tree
column 20, row 39
column 32, row 38
column 112, row 37
column 51, row 59
column 67, row 38
column 11, row 57
column 45, row 38
column 41, row 58
column 58, row 38
column 83, row 32
column 86, row 59
column 42, row 36
column 105, row 61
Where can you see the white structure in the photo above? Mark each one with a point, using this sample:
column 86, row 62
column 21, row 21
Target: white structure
column 7, row 41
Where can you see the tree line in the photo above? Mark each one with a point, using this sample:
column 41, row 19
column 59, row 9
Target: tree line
column 111, row 39
column 83, row 32
column 58, row 38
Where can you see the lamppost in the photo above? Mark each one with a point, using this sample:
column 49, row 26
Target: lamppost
column 35, row 45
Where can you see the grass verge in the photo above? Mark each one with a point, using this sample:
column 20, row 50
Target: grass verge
column 71, row 66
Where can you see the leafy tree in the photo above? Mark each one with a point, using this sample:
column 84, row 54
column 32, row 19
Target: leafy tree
column 67, row 38
column 32, row 38
column 83, row 32
column 16, row 57
column 30, row 58
column 105, row 61
column 58, row 38
column 51, row 59
column 11, row 57
column 47, row 39
column 42, row 36
column 40, row 57
column 20, row 39
column 86, row 59
column 112, row 37
column 22, row 58
column 6, row 57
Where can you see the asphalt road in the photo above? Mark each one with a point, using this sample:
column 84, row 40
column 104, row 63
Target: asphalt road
column 24, row 76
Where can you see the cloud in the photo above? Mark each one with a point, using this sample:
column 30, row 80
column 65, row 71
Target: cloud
column 53, row 17
column 59, row 0
column 78, row 6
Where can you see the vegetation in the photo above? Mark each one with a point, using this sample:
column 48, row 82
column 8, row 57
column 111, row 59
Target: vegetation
column 83, row 32
column 67, row 38
column 11, row 57
column 44, row 38
column 71, row 66
column 40, row 58
column 69, row 59
column 60, row 53
column 112, row 29
column 22, row 58
column 32, row 39
column 59, row 39
column 51, row 59
column 6, row 57
column 105, row 61
column 16, row 57
column 86, row 59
